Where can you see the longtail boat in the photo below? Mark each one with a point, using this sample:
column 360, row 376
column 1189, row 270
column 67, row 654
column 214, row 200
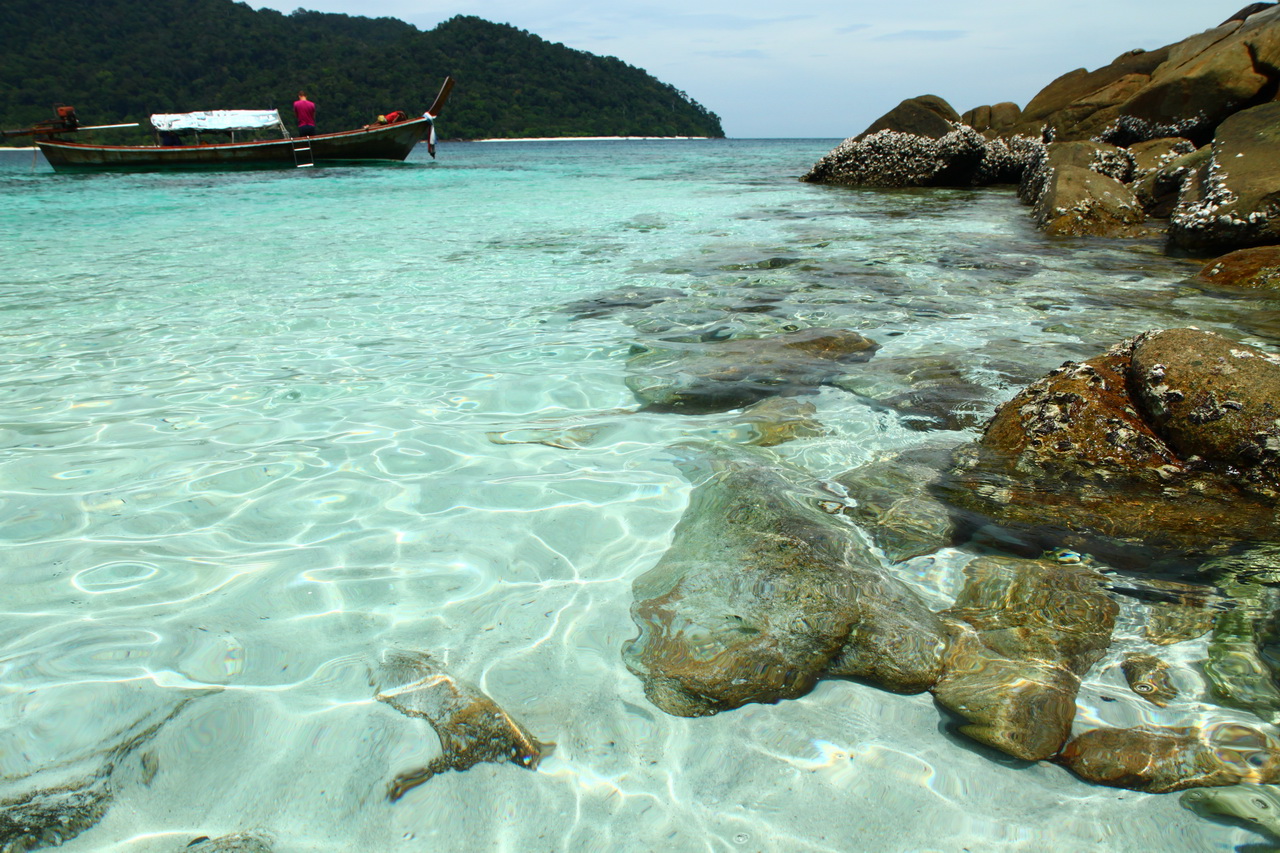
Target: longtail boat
column 391, row 138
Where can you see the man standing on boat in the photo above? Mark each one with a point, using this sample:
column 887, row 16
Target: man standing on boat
column 305, row 110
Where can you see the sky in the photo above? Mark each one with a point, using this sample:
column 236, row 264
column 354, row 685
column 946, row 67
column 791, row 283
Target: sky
column 828, row 68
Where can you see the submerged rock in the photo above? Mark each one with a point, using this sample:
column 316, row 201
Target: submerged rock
column 1258, row 806
column 763, row 591
column 1148, row 676
column 892, row 501
column 1240, row 665
column 63, row 796
column 716, row 376
column 777, row 420
column 250, row 841
column 932, row 392
column 1160, row 760
column 472, row 727
column 1026, row 631
column 619, row 299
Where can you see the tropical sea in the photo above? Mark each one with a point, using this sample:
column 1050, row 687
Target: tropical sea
column 260, row 427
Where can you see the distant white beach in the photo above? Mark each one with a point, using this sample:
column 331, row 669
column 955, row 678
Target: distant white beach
column 587, row 138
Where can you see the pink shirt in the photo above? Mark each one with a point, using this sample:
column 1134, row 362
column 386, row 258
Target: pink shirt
column 305, row 111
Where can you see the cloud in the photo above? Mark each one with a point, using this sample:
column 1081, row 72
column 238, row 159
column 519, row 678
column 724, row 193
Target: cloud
column 923, row 35
column 734, row 54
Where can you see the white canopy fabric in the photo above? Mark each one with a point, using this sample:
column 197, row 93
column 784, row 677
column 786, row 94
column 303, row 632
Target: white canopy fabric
column 218, row 120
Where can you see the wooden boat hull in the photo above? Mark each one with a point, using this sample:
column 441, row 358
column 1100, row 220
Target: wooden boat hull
column 384, row 142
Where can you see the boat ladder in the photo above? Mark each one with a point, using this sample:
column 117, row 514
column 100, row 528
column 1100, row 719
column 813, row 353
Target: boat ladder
column 302, row 152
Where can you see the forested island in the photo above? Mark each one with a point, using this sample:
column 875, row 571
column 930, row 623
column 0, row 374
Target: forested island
column 120, row 61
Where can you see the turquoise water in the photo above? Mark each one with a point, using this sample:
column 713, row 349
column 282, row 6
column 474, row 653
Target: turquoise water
column 259, row 427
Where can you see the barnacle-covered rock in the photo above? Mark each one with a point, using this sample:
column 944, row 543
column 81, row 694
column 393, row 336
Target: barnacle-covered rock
column 961, row 158
column 1159, row 192
column 716, row 376
column 764, row 591
column 1234, row 198
column 1025, row 633
column 1104, row 159
column 1079, row 202
column 1111, row 457
column 1159, row 760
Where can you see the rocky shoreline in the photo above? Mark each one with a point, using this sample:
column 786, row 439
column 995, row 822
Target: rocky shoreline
column 1153, row 466
column 1182, row 141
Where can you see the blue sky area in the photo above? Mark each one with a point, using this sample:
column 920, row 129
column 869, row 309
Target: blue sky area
column 826, row 68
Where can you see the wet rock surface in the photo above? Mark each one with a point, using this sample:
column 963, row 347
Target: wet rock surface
column 715, row 376
column 1160, row 760
column 763, row 592
column 1148, row 676
column 1237, row 203
column 1256, row 268
column 1079, row 202
column 1257, row 806
column 250, row 841
column 472, row 727
column 1110, row 457
column 892, row 501
column 1026, row 631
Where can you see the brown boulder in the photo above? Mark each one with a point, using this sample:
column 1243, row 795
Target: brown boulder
column 1257, row 268
column 1078, row 202
column 999, row 117
column 1161, row 191
column 1235, row 202
column 1160, row 760
column 1152, row 155
column 924, row 115
column 763, row 592
column 1213, row 398
column 1165, row 471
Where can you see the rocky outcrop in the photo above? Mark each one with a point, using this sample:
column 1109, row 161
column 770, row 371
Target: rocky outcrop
column 1026, row 631
column 997, row 118
column 763, row 592
column 1160, row 191
column 1159, row 760
column 1233, row 200
column 1165, row 447
column 1184, row 89
column 926, row 115
column 1079, row 202
column 700, row 377
column 961, row 158
column 1256, row 268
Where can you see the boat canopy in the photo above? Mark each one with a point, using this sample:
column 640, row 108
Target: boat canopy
column 218, row 120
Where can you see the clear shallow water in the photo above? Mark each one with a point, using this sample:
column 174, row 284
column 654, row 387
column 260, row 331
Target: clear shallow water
column 254, row 431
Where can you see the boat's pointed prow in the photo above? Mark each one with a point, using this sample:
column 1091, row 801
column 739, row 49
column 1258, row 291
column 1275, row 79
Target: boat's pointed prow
column 438, row 103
